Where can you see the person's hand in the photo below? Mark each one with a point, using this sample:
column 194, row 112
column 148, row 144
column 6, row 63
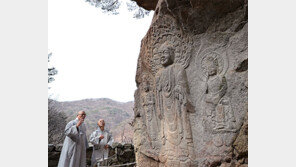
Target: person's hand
column 101, row 137
column 106, row 146
column 79, row 122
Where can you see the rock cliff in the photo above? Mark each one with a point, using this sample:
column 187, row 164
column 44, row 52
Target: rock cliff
column 191, row 103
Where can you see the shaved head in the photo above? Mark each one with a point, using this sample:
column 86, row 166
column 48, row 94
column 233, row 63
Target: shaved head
column 81, row 112
column 101, row 123
column 81, row 115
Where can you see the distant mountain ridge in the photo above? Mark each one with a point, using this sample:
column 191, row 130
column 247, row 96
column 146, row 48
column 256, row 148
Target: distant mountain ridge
column 117, row 115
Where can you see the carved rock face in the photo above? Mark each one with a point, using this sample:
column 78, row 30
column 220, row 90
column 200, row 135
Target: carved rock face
column 212, row 66
column 166, row 58
column 166, row 54
column 193, row 103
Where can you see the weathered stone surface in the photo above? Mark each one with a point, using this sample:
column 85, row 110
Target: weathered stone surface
column 54, row 152
column 53, row 158
column 51, row 147
column 191, row 102
column 119, row 154
column 241, row 142
column 59, row 147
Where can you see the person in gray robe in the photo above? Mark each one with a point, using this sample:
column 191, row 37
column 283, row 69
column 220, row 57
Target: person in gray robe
column 102, row 140
column 74, row 148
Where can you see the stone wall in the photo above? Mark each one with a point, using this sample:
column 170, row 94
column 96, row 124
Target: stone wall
column 191, row 103
column 119, row 154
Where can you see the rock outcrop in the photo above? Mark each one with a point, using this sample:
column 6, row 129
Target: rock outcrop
column 192, row 78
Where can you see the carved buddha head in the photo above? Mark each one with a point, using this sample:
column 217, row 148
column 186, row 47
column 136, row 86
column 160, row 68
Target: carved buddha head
column 167, row 54
column 212, row 66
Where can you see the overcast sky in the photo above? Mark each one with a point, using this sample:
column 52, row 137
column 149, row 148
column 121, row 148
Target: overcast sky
column 95, row 53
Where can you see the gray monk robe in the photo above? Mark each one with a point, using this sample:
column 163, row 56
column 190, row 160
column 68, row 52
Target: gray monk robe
column 99, row 152
column 74, row 149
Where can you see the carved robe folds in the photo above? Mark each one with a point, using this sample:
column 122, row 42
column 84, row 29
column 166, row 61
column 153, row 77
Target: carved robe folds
column 173, row 105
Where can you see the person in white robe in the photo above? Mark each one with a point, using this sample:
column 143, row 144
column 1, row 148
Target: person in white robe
column 75, row 144
column 102, row 141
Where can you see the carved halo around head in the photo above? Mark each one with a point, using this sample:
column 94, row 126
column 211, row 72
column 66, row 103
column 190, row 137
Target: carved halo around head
column 167, row 30
column 211, row 56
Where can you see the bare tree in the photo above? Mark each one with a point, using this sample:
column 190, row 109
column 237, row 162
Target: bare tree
column 51, row 71
column 125, row 137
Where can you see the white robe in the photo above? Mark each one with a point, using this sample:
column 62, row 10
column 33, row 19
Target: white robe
column 99, row 152
column 74, row 148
